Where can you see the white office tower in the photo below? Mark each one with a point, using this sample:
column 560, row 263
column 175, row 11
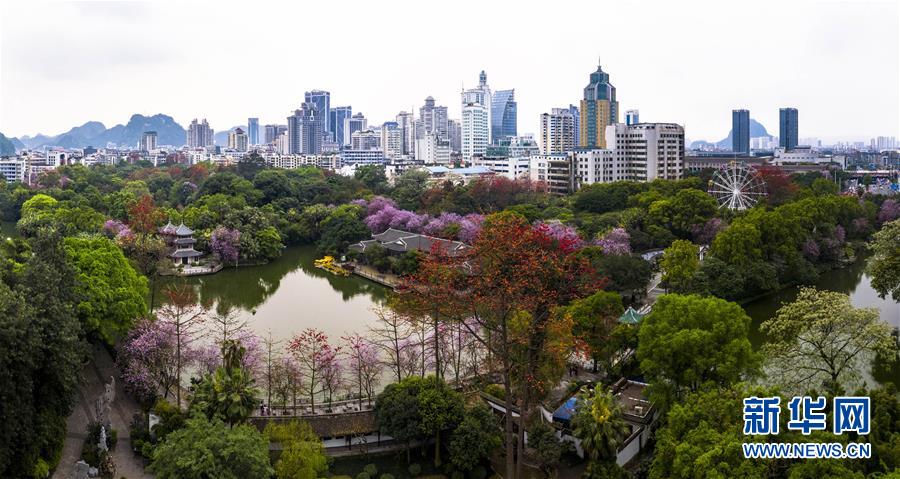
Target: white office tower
column 407, row 124
column 283, row 143
column 557, row 131
column 596, row 166
column 365, row 140
column 353, row 124
column 148, row 141
column 476, row 119
column 647, row 151
column 392, row 140
column 237, row 140
column 433, row 150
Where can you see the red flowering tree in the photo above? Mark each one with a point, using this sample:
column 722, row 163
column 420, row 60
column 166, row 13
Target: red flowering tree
column 779, row 186
column 318, row 363
column 505, row 290
column 184, row 316
column 365, row 365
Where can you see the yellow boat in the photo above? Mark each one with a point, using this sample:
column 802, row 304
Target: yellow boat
column 327, row 263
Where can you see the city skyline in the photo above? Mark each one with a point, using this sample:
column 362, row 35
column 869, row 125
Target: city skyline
column 129, row 68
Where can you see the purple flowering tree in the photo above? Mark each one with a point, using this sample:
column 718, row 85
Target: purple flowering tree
column 469, row 227
column 147, row 360
column 364, row 366
column 890, row 210
column 615, row 242
column 811, row 250
column 379, row 203
column 706, row 233
column 112, row 227
column 441, row 224
column 225, row 242
column 566, row 236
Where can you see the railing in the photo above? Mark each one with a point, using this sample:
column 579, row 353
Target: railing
column 324, row 408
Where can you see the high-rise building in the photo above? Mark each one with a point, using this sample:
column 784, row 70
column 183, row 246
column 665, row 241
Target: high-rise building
column 432, row 119
column 148, row 141
column 336, row 117
column 363, row 140
column 237, row 140
column 321, row 101
column 647, row 151
column 599, row 109
column 788, row 131
column 557, row 131
column 253, row 130
column 407, row 125
column 503, row 115
column 576, row 115
column 740, row 131
column 433, row 150
column 353, row 124
column 272, row 132
column 200, row 135
column 632, row 117
column 392, row 140
column 304, row 134
column 454, row 134
column 476, row 119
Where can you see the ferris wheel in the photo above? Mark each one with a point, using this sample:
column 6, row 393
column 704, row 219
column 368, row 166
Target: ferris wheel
column 737, row 186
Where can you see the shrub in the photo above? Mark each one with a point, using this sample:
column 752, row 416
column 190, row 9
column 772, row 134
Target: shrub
column 457, row 475
column 414, row 469
column 371, row 470
column 363, row 475
column 495, row 390
column 387, row 476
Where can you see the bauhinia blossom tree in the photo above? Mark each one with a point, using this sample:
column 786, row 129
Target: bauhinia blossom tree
column 147, row 360
column 364, row 366
column 186, row 317
column 318, row 363
column 226, row 242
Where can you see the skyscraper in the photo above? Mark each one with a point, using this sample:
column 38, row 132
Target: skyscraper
column 632, row 117
column 476, row 119
column 407, row 125
column 392, row 140
column 599, row 109
column 336, row 117
column 353, row 124
column 432, row 119
column 237, row 140
column 740, row 131
column 253, row 130
column 148, row 141
column 304, row 134
column 200, row 135
column 576, row 116
column 788, row 131
column 321, row 101
column 557, row 131
column 454, row 134
column 503, row 115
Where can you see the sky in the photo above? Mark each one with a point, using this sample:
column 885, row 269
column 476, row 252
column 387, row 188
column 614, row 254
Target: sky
column 688, row 62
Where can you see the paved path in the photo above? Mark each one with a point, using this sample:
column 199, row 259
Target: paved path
column 96, row 374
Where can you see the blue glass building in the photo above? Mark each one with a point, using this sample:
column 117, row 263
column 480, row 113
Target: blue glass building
column 336, row 118
column 253, row 130
column 740, row 131
column 788, row 128
column 321, row 100
column 504, row 122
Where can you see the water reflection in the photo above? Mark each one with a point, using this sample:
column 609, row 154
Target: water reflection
column 290, row 294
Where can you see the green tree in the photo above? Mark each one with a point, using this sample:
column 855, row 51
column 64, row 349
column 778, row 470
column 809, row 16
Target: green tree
column 373, row 177
column 884, row 265
column 625, row 274
column 690, row 341
column 342, row 227
column 302, row 452
column 546, row 447
column 821, row 340
column 680, row 262
column 207, row 448
column 687, row 208
column 113, row 293
column 740, row 244
column 701, row 438
column 228, row 393
column 440, row 407
column 397, row 411
column 594, row 318
column 408, row 188
column 598, row 422
column 475, row 438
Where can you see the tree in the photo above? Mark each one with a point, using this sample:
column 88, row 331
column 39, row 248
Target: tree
column 884, row 265
column 680, row 262
column 225, row 243
column 475, row 439
column 389, row 335
column 688, row 342
column 616, row 241
column 342, row 227
column 594, row 318
column 821, row 340
column 365, row 366
column 372, row 176
column 316, row 358
column 440, row 408
column 625, row 274
column 113, row 293
column 740, row 244
column 207, row 448
column 779, row 187
column 702, row 437
column 397, row 411
column 146, row 360
column 185, row 317
column 598, row 422
column 229, row 393
column 548, row 450
column 302, row 453
column 689, row 207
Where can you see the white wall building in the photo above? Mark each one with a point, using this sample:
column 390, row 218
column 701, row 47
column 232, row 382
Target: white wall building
column 800, row 154
column 392, row 140
column 433, row 150
column 596, row 166
column 647, row 151
column 13, row 169
column 476, row 130
column 365, row 140
column 557, row 131
column 512, row 168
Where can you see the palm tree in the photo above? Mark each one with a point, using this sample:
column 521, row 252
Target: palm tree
column 598, row 422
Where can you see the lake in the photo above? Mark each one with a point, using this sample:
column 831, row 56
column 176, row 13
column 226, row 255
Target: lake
column 289, row 294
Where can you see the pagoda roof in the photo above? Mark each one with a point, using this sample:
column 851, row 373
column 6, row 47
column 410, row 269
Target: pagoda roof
column 630, row 316
column 183, row 230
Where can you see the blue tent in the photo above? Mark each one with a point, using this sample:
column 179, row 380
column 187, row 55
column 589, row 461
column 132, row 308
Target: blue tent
column 565, row 412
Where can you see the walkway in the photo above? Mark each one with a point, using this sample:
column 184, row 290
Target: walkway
column 95, row 375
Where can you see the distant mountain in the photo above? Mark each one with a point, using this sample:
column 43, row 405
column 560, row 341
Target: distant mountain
column 756, row 129
column 221, row 137
column 7, row 148
column 18, row 144
column 94, row 133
